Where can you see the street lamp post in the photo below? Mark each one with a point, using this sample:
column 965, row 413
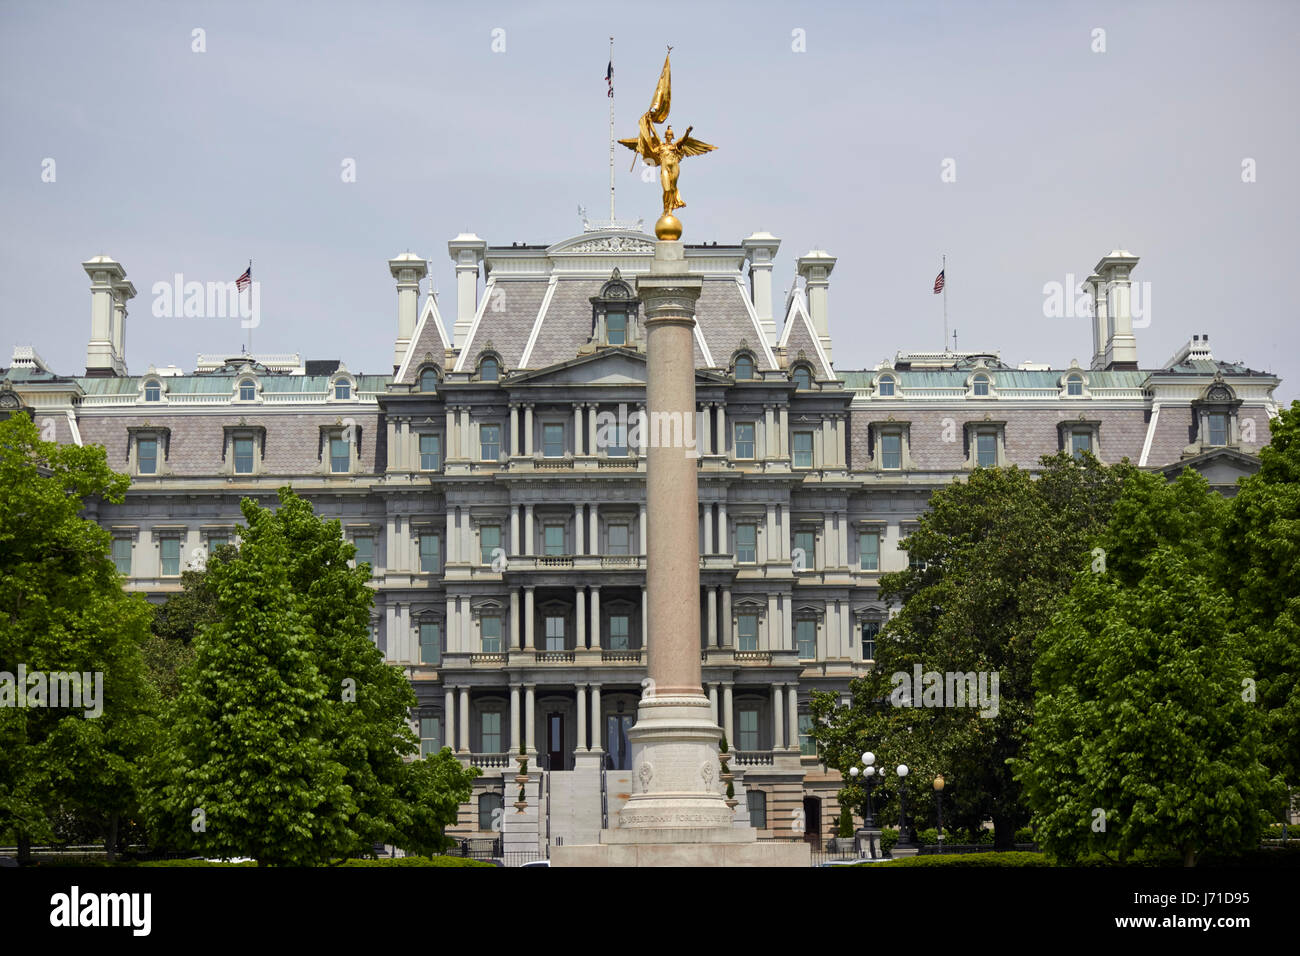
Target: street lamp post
column 938, row 799
column 868, row 772
column 906, row 840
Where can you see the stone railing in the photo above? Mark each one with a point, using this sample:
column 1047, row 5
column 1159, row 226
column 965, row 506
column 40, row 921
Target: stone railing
column 555, row 561
column 489, row 761
column 552, row 464
column 555, row 657
column 619, row 561
column 487, row 659
column 616, row 462
column 753, row 657
column 620, row 657
column 753, row 758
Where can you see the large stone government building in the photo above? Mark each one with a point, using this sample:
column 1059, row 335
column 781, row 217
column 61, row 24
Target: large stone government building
column 495, row 482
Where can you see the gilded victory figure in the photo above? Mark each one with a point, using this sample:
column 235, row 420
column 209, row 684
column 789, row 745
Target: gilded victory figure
column 665, row 153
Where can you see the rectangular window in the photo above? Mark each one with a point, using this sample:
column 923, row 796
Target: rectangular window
column 553, row 441
column 744, row 440
column 617, row 437
column 489, row 442
column 618, row 632
column 747, row 637
column 146, row 455
column 805, row 638
column 869, row 632
column 430, row 452
column 216, row 541
column 746, row 544
column 489, row 540
column 869, row 550
column 803, row 449
column 807, row 746
column 555, row 633
column 553, row 539
column 1218, row 428
column 748, row 728
column 365, row 546
column 618, row 538
column 891, row 451
column 430, row 735
column 243, row 456
column 1079, row 443
column 616, row 324
column 122, row 555
column 430, row 643
column 805, row 541
column 170, row 550
column 490, row 627
column 986, row 449
column 339, row 455
column 429, row 553
column 490, row 725
column 756, row 800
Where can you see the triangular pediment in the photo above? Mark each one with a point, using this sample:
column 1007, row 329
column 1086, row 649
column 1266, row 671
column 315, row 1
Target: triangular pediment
column 612, row 366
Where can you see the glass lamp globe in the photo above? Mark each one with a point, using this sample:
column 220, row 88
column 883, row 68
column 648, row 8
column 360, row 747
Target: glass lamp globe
column 868, row 758
column 902, row 770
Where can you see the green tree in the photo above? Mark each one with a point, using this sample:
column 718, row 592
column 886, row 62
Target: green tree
column 1142, row 737
column 990, row 561
column 432, row 788
column 1261, row 569
column 62, row 609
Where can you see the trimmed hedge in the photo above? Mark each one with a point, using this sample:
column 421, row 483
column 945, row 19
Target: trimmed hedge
column 968, row 859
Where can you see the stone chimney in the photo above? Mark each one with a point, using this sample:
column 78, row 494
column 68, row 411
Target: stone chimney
column 1100, row 320
column 467, row 251
column 1114, row 296
column 408, row 269
column 109, row 292
column 760, row 249
column 815, row 267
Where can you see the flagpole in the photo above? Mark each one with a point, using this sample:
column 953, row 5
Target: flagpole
column 944, row 273
column 611, row 132
column 250, row 306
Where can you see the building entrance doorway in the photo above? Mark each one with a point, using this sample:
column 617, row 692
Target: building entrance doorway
column 812, row 818
column 616, row 745
column 555, row 741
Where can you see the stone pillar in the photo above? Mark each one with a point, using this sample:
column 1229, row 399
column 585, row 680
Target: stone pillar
column 772, row 630
column 580, row 614
column 450, row 539
column 530, row 708
column 713, row 702
column 778, row 718
column 528, row 618
column 514, row 430
column 642, row 519
column 514, row 719
column 528, row 529
column 514, row 619
column 708, row 528
column 771, row 442
column 722, row 429
column 595, row 528
column 724, row 637
column 591, row 429
column 577, row 429
column 528, row 434
column 595, row 617
column 645, row 617
column 728, row 720
column 513, row 547
column 597, row 720
column 724, row 532
column 783, row 431
column 674, row 743
column 581, row 690
column 452, row 441
column 464, row 720
column 792, row 701
column 712, row 608
column 842, row 525
column 579, row 544
column 449, row 718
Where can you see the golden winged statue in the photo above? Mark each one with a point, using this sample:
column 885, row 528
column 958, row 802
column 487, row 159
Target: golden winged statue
column 667, row 154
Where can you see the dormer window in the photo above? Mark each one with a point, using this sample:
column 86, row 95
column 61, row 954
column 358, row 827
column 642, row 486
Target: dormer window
column 885, row 386
column 802, row 377
column 153, row 391
column 429, row 380
column 342, row 391
column 247, row 390
column 980, row 386
column 489, row 369
column 1218, row 428
column 616, row 327
column 744, row 368
column 1214, row 415
column 1074, row 386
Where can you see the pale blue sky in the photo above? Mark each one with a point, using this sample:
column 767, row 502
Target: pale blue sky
column 173, row 161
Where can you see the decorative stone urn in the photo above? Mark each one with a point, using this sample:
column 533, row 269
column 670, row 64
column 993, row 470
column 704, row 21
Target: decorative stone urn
column 726, row 777
column 521, row 778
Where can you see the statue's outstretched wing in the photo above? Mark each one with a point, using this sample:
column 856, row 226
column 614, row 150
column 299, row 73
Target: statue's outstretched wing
column 690, row 146
column 646, row 145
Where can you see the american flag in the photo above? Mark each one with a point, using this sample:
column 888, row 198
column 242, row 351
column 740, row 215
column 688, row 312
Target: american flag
column 244, row 281
column 938, row 281
column 609, row 78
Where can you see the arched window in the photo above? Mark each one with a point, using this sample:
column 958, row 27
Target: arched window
column 247, row 390
column 490, row 808
column 1074, row 386
column 489, row 370
column 885, row 386
column 152, row 392
column 744, row 368
column 342, row 389
column 980, row 384
column 802, row 377
column 429, row 380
